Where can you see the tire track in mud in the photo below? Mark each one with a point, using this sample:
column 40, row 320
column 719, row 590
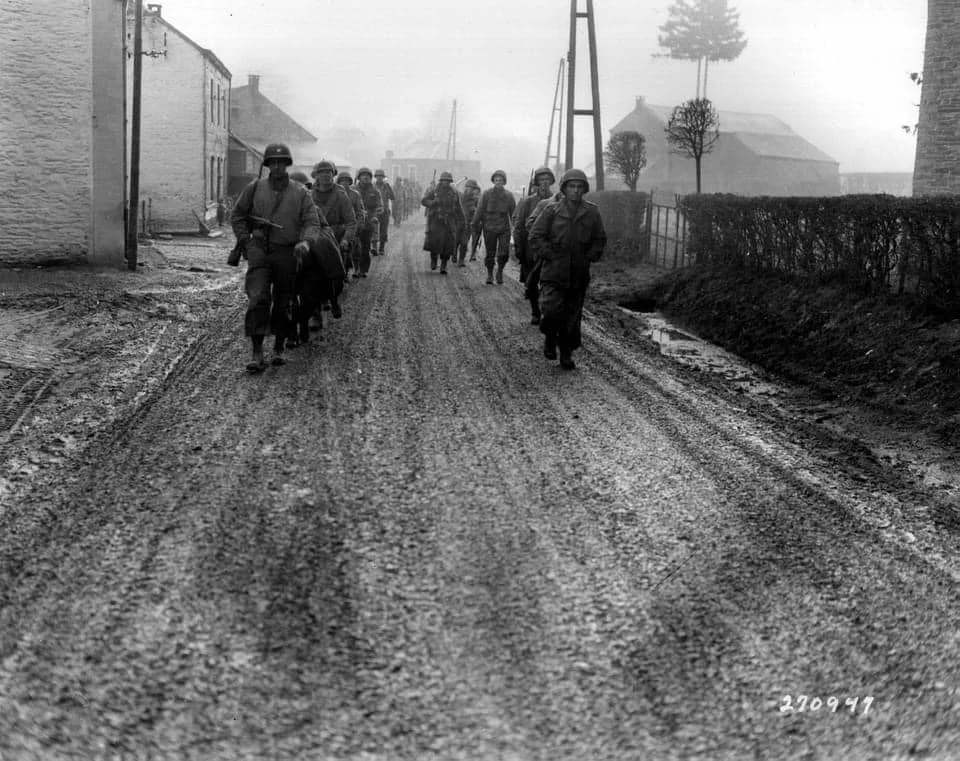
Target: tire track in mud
column 419, row 539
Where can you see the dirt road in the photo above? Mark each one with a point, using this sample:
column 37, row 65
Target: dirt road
column 422, row 540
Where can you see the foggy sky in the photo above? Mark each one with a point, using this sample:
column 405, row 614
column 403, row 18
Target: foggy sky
column 836, row 71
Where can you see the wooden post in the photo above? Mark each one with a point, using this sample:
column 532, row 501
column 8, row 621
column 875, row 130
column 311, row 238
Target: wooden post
column 676, row 236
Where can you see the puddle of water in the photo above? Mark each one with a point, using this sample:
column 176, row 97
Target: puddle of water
column 689, row 349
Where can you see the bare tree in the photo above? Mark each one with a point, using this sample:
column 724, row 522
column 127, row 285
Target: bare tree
column 693, row 130
column 626, row 153
column 702, row 31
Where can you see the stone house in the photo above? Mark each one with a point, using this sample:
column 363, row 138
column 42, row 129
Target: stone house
column 184, row 127
column 256, row 121
column 419, row 160
column 757, row 155
column 62, row 122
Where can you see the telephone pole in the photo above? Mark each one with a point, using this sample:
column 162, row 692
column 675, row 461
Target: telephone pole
column 572, row 111
column 452, row 134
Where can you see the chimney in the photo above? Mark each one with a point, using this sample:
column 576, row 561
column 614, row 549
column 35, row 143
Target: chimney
column 154, row 8
column 253, row 81
column 639, row 103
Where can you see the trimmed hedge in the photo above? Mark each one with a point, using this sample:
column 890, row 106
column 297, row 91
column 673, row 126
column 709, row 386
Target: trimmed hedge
column 875, row 243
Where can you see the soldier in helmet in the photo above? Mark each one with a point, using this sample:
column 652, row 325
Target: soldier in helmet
column 388, row 197
column 567, row 236
column 469, row 199
column 493, row 218
column 345, row 181
column 543, row 180
column 369, row 228
column 445, row 220
column 336, row 210
column 302, row 178
column 276, row 220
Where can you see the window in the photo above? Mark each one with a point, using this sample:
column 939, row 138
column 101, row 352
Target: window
column 212, row 186
column 211, row 102
column 412, row 172
column 219, row 194
column 219, row 104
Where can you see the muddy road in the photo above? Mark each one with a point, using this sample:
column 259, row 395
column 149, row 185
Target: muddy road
column 420, row 539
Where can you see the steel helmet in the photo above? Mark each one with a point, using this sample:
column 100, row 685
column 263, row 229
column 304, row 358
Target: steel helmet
column 324, row 165
column 500, row 173
column 445, row 176
column 300, row 177
column 277, row 151
column 364, row 171
column 544, row 170
column 472, row 184
column 345, row 177
column 574, row 174
column 379, row 173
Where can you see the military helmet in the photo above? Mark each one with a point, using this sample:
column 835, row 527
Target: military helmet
column 544, row 170
column 471, row 183
column 345, row 177
column 574, row 174
column 300, row 177
column 324, row 165
column 499, row 173
column 445, row 176
column 364, row 170
column 277, row 151
column 379, row 173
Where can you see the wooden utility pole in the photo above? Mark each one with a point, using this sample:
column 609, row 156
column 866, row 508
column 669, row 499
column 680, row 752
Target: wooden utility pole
column 594, row 111
column 134, row 201
column 556, row 118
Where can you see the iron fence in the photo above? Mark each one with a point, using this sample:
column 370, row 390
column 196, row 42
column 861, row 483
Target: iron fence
column 666, row 235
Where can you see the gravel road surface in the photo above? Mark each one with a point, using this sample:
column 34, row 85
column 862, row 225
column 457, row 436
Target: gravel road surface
column 420, row 539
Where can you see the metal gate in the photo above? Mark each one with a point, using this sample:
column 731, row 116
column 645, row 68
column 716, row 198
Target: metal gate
column 666, row 243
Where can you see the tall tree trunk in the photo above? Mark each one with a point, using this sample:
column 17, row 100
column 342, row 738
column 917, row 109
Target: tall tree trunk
column 936, row 169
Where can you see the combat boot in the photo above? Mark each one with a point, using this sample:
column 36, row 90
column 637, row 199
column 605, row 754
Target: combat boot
column 566, row 361
column 489, row 275
column 443, row 266
column 278, row 358
column 256, row 363
column 433, row 261
column 550, row 346
column 500, row 275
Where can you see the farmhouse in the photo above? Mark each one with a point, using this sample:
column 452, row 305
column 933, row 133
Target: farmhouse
column 184, row 127
column 757, row 155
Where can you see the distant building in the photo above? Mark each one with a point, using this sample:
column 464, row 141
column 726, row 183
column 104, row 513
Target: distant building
column 757, row 155
column 184, row 127
column 62, row 122
column 257, row 121
column 421, row 159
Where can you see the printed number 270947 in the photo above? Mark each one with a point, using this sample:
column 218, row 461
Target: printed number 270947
column 805, row 703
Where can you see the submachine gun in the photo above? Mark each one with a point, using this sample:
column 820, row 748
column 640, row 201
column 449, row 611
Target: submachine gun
column 254, row 224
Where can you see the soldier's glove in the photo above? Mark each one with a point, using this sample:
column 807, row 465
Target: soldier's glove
column 300, row 251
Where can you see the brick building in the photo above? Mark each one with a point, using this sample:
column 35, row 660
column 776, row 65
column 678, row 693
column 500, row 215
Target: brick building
column 757, row 155
column 937, row 165
column 184, row 128
column 62, row 67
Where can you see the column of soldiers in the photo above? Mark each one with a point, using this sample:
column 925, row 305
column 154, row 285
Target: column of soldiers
column 556, row 237
column 301, row 239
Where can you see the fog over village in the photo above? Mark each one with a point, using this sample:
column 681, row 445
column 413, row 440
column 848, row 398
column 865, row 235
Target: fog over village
column 836, row 71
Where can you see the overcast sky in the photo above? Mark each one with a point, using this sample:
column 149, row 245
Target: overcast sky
column 836, row 71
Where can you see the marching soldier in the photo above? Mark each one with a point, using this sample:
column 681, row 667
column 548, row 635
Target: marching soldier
column 493, row 217
column 543, row 180
column 445, row 220
column 468, row 201
column 387, row 194
column 336, row 210
column 567, row 236
column 345, row 181
column 276, row 220
column 369, row 228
